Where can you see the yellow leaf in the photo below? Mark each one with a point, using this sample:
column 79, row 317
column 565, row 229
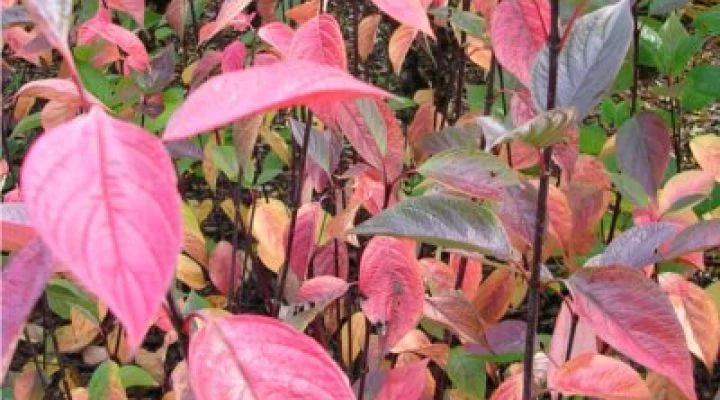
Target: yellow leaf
column 276, row 143
column 271, row 221
column 351, row 345
column 400, row 43
column 190, row 273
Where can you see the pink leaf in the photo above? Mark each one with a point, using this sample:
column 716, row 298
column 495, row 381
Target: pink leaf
column 277, row 35
column 220, row 267
column 19, row 40
column 54, row 19
column 245, row 357
column 319, row 40
column 631, row 313
column 23, row 281
column 16, row 229
column 136, row 8
column 595, row 375
column 61, row 90
column 175, row 14
column 400, row 43
column 102, row 195
column 245, row 93
column 519, row 30
column 233, row 57
column 684, row 190
column 405, row 382
column 584, row 340
column 408, row 12
column 101, row 26
column 391, row 282
column 510, row 389
column 321, row 289
column 324, row 260
column 229, row 11
column 304, row 238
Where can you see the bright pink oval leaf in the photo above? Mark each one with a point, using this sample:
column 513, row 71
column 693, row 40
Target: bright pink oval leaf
column 244, row 357
column 405, row 382
column 319, row 40
column 246, row 93
column 277, row 35
column 631, row 313
column 102, row 195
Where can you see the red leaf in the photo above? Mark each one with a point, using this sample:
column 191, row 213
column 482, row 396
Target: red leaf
column 595, row 375
column 136, row 8
column 304, row 238
column 244, row 357
column 303, row 12
column 519, row 30
column 319, row 40
column 246, row 92
column 233, row 57
column 101, row 26
column 629, row 312
column 277, row 35
column 176, row 14
column 220, row 264
column 408, row 12
column 391, row 282
column 584, row 340
column 324, row 260
column 643, row 150
column 102, row 195
column 23, row 281
column 229, row 11
column 458, row 314
column 406, row 382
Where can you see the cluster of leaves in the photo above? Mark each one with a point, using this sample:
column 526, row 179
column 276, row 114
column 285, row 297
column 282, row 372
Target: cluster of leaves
column 383, row 260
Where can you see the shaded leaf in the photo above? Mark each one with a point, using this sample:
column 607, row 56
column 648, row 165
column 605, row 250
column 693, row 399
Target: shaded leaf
column 643, row 150
column 442, row 220
column 699, row 236
column 637, row 247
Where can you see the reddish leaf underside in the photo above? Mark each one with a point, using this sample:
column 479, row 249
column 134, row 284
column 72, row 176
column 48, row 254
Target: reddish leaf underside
column 631, row 313
column 102, row 195
column 23, row 281
column 245, row 93
column 391, row 282
column 246, row 357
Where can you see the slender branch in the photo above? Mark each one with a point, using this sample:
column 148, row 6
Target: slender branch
column 193, row 17
column 490, row 91
column 177, row 321
column 296, row 190
column 540, row 216
column 355, row 21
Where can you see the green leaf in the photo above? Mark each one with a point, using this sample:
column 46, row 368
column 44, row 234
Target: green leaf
column 467, row 373
column 28, row 123
column 592, row 139
column 672, row 34
column 442, row 220
column 195, row 302
column 225, row 158
column 686, row 49
column 662, row 7
column 105, row 378
column 705, row 79
column 134, row 376
column 172, row 97
column 95, row 81
column 630, row 189
column 468, row 22
column 398, row 103
column 476, row 96
column 708, row 22
column 62, row 295
column 650, row 47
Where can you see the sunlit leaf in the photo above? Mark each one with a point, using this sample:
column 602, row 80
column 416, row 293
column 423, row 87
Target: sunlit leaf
column 631, row 313
column 367, row 34
column 637, row 247
column 408, row 12
column 601, row 376
column 112, row 179
column 254, row 354
column 400, row 43
column 589, row 60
